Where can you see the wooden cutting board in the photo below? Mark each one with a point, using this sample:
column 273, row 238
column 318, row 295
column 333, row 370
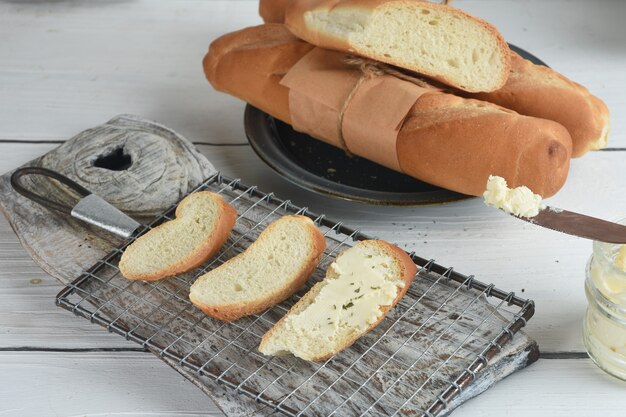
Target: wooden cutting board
column 143, row 168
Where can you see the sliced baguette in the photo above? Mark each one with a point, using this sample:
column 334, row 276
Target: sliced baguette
column 274, row 267
column 347, row 304
column 202, row 225
column 445, row 140
column 436, row 40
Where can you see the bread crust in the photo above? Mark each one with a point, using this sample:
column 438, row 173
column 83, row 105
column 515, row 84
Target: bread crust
column 231, row 312
column 250, row 63
column 227, row 217
column 295, row 21
column 524, row 150
column 409, row 270
column 538, row 91
column 273, row 11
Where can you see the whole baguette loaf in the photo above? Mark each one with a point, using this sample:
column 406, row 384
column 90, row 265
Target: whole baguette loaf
column 535, row 90
column 436, row 40
column 363, row 284
column 445, row 140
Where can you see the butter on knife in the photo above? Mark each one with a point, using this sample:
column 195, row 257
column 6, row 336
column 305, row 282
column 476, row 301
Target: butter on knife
column 522, row 203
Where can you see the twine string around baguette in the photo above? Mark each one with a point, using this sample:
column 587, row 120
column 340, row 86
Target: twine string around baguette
column 357, row 106
column 370, row 69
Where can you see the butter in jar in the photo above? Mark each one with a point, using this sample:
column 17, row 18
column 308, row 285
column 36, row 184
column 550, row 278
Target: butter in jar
column 604, row 326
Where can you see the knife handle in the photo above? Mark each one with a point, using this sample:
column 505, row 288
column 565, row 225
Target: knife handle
column 90, row 208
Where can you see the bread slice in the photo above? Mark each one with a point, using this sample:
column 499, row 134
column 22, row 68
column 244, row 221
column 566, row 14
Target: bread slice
column 363, row 284
column 202, row 225
column 274, row 267
column 436, row 40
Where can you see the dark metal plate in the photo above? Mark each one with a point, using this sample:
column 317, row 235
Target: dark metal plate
column 324, row 169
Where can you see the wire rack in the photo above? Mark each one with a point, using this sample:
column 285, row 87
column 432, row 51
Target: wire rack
column 426, row 352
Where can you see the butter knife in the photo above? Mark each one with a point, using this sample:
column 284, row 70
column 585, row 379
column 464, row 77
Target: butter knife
column 579, row 225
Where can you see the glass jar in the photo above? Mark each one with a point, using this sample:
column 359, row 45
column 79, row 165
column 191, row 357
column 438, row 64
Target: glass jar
column 604, row 327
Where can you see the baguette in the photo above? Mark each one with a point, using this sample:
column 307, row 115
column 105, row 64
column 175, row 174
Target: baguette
column 202, row 225
column 439, row 41
column 535, row 90
column 363, row 284
column 445, row 140
column 274, row 267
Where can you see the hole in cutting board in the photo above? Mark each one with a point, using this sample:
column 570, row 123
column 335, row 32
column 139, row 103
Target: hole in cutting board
column 116, row 160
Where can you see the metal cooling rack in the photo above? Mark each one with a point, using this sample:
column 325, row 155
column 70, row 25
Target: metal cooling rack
column 423, row 354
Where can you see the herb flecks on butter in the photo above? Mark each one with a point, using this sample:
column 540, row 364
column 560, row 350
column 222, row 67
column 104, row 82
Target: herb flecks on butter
column 352, row 294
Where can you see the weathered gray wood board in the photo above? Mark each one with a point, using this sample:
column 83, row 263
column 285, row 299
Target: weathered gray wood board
column 163, row 166
column 515, row 356
column 139, row 166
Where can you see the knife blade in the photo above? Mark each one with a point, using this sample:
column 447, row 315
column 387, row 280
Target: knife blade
column 579, row 225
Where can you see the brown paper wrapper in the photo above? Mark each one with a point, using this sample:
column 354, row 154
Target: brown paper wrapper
column 318, row 87
column 340, row 105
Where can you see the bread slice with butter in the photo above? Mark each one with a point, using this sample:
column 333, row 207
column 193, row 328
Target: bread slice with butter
column 274, row 267
column 363, row 284
column 202, row 225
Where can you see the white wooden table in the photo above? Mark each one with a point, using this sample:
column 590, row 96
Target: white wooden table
column 66, row 66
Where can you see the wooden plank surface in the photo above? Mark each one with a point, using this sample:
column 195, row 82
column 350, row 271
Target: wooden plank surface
column 66, row 66
column 552, row 387
column 99, row 383
column 135, row 384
